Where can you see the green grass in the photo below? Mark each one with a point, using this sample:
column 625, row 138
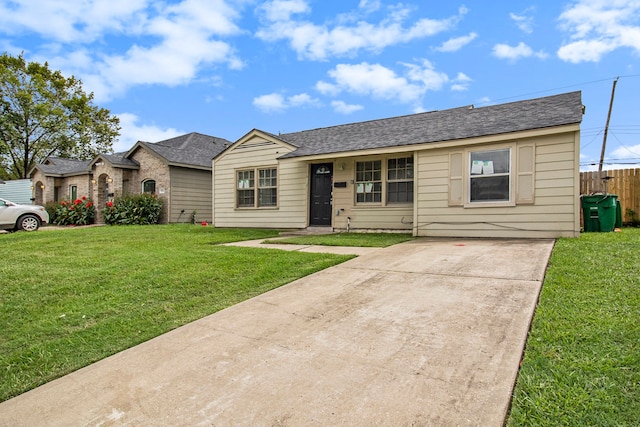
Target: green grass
column 71, row 297
column 375, row 240
column 582, row 361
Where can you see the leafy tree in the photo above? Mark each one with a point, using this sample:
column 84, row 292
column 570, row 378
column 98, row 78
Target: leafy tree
column 43, row 113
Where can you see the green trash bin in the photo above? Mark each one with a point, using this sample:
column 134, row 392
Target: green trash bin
column 601, row 212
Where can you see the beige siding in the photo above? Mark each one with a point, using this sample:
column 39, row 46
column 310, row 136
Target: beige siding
column 544, row 173
column 548, row 210
column 258, row 152
column 362, row 217
column 190, row 191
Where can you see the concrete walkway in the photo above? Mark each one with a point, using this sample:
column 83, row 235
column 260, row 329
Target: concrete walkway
column 339, row 250
column 428, row 332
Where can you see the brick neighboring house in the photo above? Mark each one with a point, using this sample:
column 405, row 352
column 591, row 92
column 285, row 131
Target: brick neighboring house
column 178, row 170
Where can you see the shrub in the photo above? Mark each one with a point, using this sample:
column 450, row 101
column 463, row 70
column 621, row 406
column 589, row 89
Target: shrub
column 633, row 218
column 77, row 212
column 51, row 208
column 140, row 209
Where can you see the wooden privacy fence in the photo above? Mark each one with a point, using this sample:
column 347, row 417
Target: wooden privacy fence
column 623, row 182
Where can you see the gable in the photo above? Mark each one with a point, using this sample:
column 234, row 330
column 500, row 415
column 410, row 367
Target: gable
column 192, row 150
column 254, row 145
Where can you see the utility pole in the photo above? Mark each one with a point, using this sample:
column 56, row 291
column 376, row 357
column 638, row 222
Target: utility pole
column 606, row 127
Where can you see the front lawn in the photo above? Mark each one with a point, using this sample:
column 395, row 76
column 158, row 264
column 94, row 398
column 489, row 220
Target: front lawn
column 582, row 360
column 71, row 297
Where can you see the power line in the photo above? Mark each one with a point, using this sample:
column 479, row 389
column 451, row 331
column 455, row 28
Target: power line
column 560, row 88
column 624, row 146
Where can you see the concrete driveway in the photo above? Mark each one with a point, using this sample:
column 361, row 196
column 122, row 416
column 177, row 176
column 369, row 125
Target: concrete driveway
column 428, row 332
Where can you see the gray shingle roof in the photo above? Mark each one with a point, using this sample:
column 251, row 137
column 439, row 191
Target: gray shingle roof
column 61, row 166
column 446, row 125
column 193, row 149
column 120, row 159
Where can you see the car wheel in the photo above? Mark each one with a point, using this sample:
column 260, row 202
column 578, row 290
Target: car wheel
column 28, row 223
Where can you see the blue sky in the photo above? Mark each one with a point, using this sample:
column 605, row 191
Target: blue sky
column 224, row 67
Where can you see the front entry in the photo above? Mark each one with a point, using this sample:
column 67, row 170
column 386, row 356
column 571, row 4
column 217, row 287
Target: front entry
column 321, row 188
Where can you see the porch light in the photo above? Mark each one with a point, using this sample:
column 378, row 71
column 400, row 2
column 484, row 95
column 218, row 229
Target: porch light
column 42, row 186
column 93, row 181
column 109, row 180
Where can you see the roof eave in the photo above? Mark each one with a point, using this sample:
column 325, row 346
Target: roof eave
column 189, row 166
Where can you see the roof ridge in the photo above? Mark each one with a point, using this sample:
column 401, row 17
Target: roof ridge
column 362, row 122
column 465, row 107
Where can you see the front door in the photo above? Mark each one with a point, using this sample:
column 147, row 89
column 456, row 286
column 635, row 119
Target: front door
column 321, row 183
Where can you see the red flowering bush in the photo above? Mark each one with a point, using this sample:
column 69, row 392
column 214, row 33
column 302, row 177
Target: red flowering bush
column 74, row 212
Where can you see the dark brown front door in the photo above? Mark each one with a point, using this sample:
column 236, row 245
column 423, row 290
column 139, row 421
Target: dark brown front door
column 321, row 182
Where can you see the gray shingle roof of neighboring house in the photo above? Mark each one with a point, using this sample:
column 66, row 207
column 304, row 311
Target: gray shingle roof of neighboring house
column 60, row 166
column 436, row 126
column 192, row 149
column 120, row 160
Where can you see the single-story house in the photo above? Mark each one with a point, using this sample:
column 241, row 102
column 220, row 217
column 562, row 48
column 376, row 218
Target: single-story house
column 508, row 170
column 178, row 170
column 58, row 179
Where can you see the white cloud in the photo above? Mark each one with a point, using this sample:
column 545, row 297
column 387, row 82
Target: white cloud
column 522, row 50
column 584, row 50
column 167, row 44
column 132, row 132
column 65, row 21
column 281, row 10
column 327, row 88
column 597, row 27
column 344, row 108
column 461, row 82
column 427, row 75
column 369, row 5
column 379, row 82
column 523, row 21
column 632, row 152
column 275, row 102
column 319, row 42
column 302, row 100
column 269, row 103
column 376, row 81
column 457, row 43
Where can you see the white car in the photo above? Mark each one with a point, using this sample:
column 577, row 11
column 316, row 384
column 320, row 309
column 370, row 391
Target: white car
column 15, row 217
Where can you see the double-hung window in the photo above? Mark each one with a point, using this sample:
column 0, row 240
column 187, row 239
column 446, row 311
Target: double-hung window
column 490, row 176
column 388, row 181
column 400, row 180
column 369, row 181
column 246, row 189
column 267, row 187
column 263, row 192
column 73, row 192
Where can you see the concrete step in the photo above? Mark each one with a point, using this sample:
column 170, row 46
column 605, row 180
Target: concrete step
column 308, row 231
